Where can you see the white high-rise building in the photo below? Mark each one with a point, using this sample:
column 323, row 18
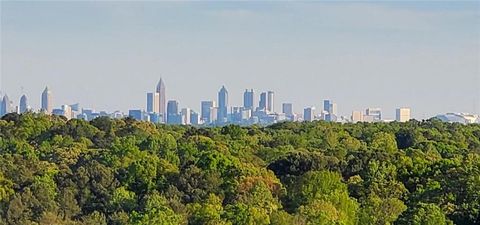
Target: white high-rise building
column 186, row 113
column 67, row 111
column 357, row 116
column 402, row 114
column 162, row 99
column 47, row 101
column 213, row 114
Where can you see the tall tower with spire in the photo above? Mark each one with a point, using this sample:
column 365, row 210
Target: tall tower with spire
column 47, row 101
column 161, row 98
column 222, row 104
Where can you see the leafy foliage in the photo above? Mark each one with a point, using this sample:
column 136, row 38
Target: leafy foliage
column 119, row 172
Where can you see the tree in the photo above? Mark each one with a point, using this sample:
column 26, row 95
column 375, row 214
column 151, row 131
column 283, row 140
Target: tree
column 384, row 142
column 324, row 199
column 425, row 214
column 209, row 212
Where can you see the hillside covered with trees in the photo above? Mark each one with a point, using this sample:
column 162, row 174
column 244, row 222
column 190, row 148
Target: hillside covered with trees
column 106, row 171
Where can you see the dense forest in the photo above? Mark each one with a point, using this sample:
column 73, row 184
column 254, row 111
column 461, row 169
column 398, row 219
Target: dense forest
column 54, row 171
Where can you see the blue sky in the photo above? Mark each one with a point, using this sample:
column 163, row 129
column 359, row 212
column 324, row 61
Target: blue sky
column 107, row 55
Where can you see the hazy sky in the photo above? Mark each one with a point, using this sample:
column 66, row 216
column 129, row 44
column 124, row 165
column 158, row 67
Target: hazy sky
column 107, row 55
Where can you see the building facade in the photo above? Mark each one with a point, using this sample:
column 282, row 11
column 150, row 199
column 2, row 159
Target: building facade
column 402, row 114
column 205, row 113
column 287, row 109
column 309, row 114
column 270, row 102
column 161, row 97
column 248, row 98
column 153, row 102
column 23, row 106
column 222, row 105
column 173, row 115
column 47, row 101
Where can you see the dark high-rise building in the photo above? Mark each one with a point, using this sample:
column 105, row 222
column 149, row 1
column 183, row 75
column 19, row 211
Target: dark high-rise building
column 23, row 106
column 173, row 115
column 136, row 114
column 330, row 108
column 287, row 109
column 47, row 101
column 309, row 114
column 222, row 105
column 326, row 105
column 262, row 105
column 161, row 97
column 206, row 111
column 270, row 102
column 194, row 118
column 248, row 99
column 267, row 102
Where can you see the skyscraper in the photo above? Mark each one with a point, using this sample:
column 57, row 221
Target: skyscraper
column 67, row 111
column 402, row 114
column 309, row 114
column 23, row 106
column 6, row 106
column 330, row 109
column 213, row 114
column 173, row 116
column 135, row 114
column 248, row 99
column 186, row 116
column 206, row 111
column 153, row 102
column 161, row 97
column 326, row 105
column 194, row 118
column 287, row 109
column 222, row 105
column 262, row 105
column 47, row 101
column 357, row 116
column 270, row 102
column 373, row 115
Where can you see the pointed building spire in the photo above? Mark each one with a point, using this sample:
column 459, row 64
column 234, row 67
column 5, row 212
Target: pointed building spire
column 222, row 105
column 162, row 99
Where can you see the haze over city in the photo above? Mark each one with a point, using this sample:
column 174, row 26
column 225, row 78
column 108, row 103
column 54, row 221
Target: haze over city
column 107, row 55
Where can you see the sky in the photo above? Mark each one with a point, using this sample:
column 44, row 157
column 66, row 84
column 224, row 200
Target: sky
column 107, row 55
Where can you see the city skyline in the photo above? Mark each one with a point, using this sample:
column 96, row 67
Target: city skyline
column 211, row 114
column 251, row 101
column 404, row 54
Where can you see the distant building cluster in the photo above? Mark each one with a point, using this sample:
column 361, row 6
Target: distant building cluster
column 220, row 111
column 463, row 118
